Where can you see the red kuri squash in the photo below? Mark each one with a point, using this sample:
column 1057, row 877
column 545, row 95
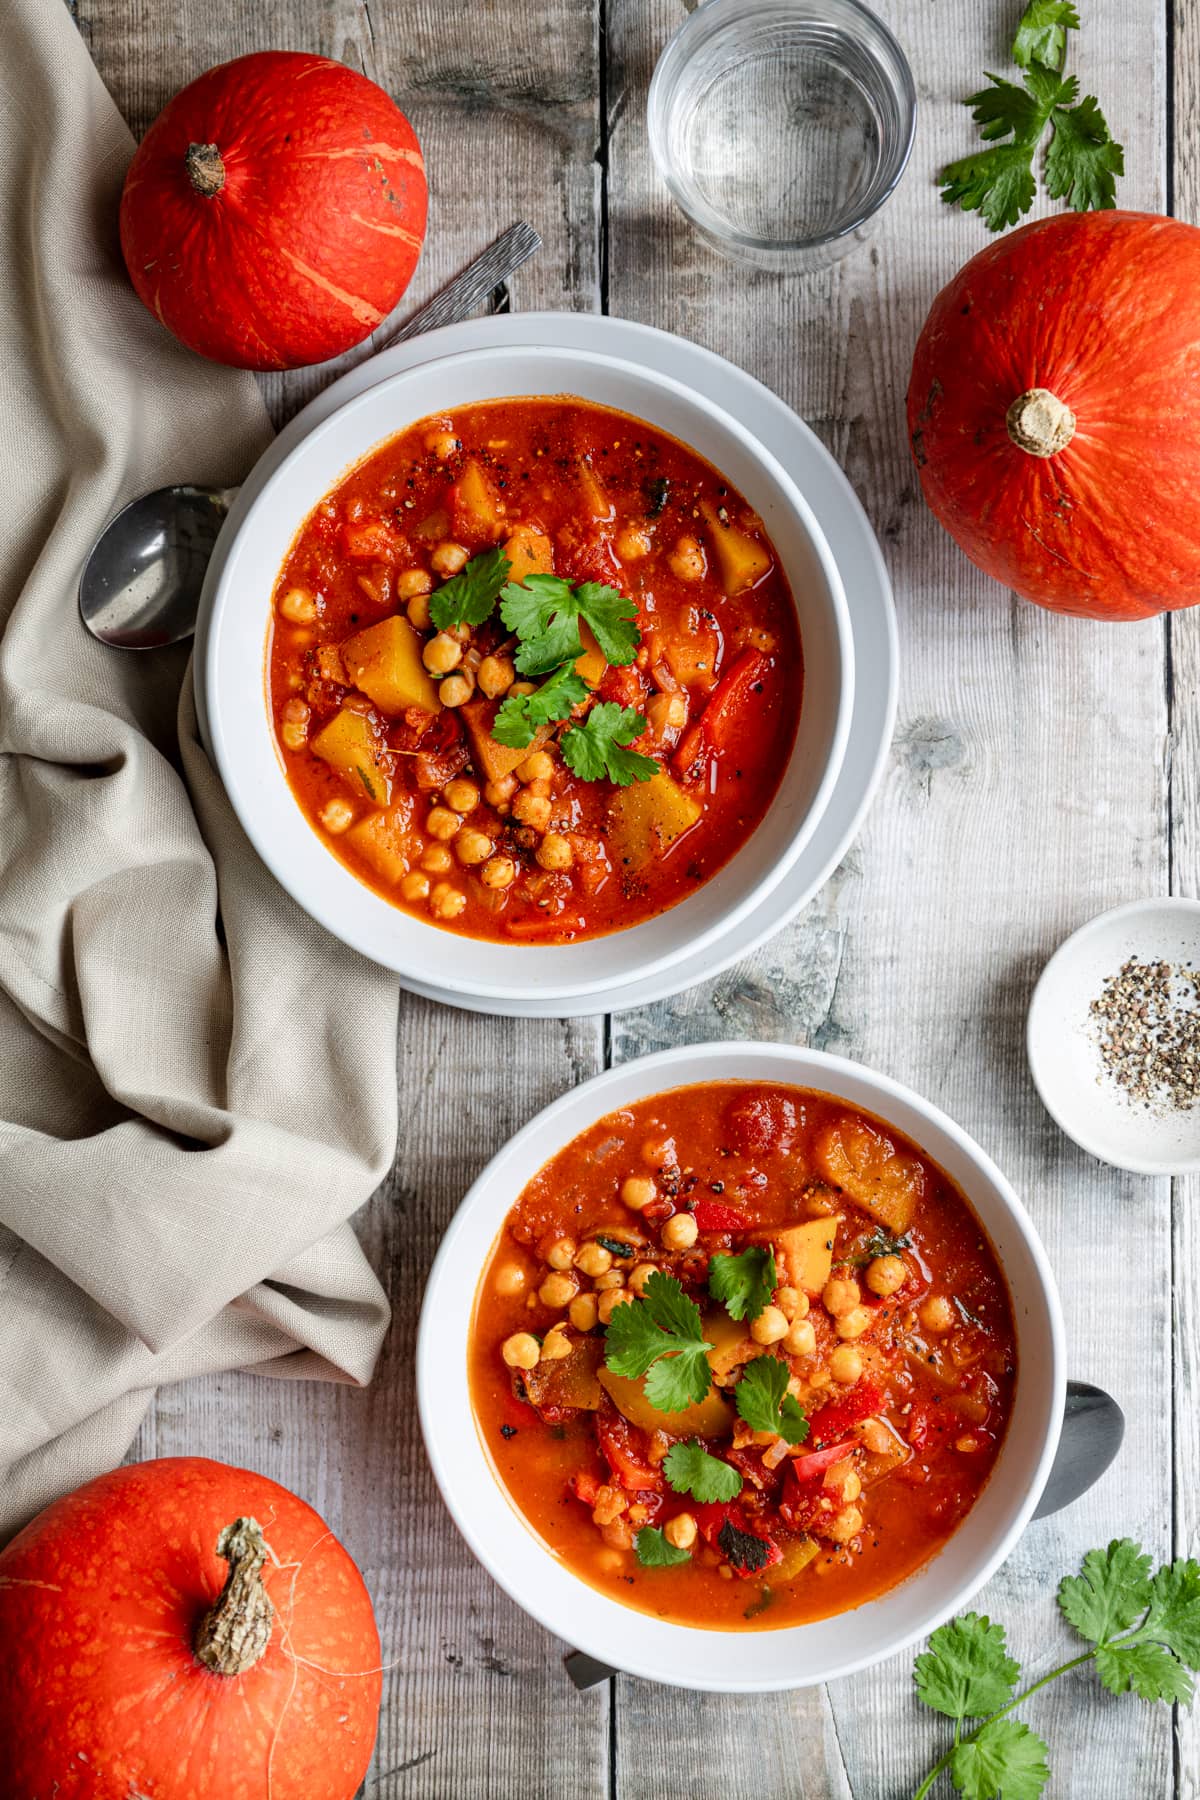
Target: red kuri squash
column 1054, row 412
column 159, row 1642
column 275, row 210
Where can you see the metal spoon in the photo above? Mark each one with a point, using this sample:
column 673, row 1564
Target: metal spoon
column 141, row 584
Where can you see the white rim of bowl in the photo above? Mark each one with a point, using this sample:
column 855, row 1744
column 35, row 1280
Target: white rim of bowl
column 1131, row 909
column 326, row 914
column 543, row 1125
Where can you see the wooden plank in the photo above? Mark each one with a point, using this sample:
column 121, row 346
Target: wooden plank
column 986, row 846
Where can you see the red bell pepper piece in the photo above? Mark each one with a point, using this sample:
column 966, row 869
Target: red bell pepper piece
column 545, row 925
column 802, row 1469
column 623, row 1448
column 714, row 729
column 836, row 1419
column 713, row 1519
column 803, row 1485
column 711, row 1215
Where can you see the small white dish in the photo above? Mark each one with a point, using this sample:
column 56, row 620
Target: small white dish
column 240, row 732
column 686, row 1656
column 1063, row 1047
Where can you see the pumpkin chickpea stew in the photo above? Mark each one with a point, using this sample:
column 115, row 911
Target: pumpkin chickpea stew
column 534, row 670
column 742, row 1355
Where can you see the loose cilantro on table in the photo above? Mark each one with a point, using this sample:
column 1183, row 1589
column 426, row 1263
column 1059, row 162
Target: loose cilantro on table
column 596, row 749
column 691, row 1470
column 661, row 1337
column 522, row 715
column 763, row 1401
column 468, row 597
column 1082, row 161
column 653, row 1550
column 743, row 1283
column 1144, row 1632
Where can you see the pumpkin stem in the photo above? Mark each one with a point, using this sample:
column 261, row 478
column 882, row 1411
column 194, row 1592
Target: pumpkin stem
column 1040, row 423
column 235, row 1631
column 206, row 171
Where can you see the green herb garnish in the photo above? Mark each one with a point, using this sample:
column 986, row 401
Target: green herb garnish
column 1082, row 161
column 522, row 715
column 468, row 597
column 743, row 1283
column 614, row 1246
column 1145, row 1635
column 880, row 1243
column 596, row 749
column 765, row 1597
column 762, row 1399
column 691, row 1470
column 654, row 1552
column 544, row 611
column 661, row 1337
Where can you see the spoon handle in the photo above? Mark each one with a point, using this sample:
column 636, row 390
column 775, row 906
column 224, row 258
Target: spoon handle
column 459, row 298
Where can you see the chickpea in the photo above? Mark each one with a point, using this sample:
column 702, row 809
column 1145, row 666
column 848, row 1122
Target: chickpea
column 442, row 443
column 437, row 859
column 411, row 582
column 456, row 690
column 840, row 1295
column 418, row 613
column 298, row 606
column 936, row 1314
column 610, row 1504
column 845, row 1365
column 844, row 1525
column 560, row 1253
column 295, row 737
column 446, row 902
column 442, row 823
column 294, row 730
column 593, row 1259
column 967, row 1444
column 499, row 872
column 521, row 1350
column 509, row 1280
column 801, row 1339
column 449, row 558
column 638, row 1513
column 472, row 846
column 499, row 793
column 687, row 560
column 542, row 789
column 637, row 1191
column 462, row 795
column 523, row 687
column 610, row 1300
column 441, row 654
column 849, row 1487
column 583, row 1312
column 792, row 1302
column 639, row 1275
column 336, row 815
column 415, row 886
column 555, row 852
column 885, row 1274
column 680, row 1531
column 854, row 1323
column 555, row 1345
column 769, row 1326
column 496, row 675
column 532, row 810
column 610, row 1562
column 538, row 767
column 614, row 1279
column 876, row 1437
column 680, row 1232
column 667, row 712
column 558, row 1290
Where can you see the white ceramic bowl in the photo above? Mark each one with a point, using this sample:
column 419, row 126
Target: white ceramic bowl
column 789, row 1656
column 1064, row 1055
column 251, row 768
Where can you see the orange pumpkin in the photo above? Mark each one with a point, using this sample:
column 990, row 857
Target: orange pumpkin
column 1054, row 412
column 160, row 1642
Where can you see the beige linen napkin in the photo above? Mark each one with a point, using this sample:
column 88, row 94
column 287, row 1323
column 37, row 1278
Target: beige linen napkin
column 197, row 1084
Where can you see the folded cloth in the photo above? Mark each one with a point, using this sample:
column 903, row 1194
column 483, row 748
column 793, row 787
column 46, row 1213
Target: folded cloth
column 197, row 1084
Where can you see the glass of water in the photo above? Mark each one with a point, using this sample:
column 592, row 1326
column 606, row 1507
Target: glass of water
column 782, row 126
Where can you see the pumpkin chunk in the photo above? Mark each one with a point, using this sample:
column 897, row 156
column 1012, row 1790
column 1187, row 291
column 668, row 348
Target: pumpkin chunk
column 865, row 1164
column 711, row 1417
column 530, row 552
column 806, row 1253
column 492, row 760
column 648, row 817
column 741, row 559
column 349, row 744
column 384, row 662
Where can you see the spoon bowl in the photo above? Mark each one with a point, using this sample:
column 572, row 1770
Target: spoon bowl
column 140, row 587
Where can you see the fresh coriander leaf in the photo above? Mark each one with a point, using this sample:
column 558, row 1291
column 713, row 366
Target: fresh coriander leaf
column 691, row 1470
column 679, row 1380
column 880, row 1243
column 763, row 1401
column 595, row 749
column 1042, row 33
column 1005, row 108
column 966, row 1671
column 1082, row 162
column 742, row 1548
column 540, row 610
column 662, row 1339
column 996, row 183
column 613, row 620
column 615, row 1246
column 765, row 1597
column 744, row 1283
column 1148, row 1669
column 1174, row 1616
column 520, row 716
column 1003, row 1758
column 1110, row 1594
column 468, row 597
column 654, row 1552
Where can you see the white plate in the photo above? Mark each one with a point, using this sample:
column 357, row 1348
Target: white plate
column 846, row 529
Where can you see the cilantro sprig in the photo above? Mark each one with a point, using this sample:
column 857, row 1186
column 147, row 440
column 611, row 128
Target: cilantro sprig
column 661, row 1337
column 1144, row 1633
column 468, row 597
column 691, row 1470
column 544, row 611
column 1081, row 161
column 744, row 1283
column 763, row 1401
column 522, row 715
column 596, row 749
column 655, row 1552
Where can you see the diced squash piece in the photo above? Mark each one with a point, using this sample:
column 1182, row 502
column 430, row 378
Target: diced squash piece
column 741, row 559
column 383, row 839
column 373, row 538
column 806, row 1253
column 384, row 661
column 435, row 527
column 691, row 653
column 865, row 1164
column 349, row 744
column 476, row 510
column 796, row 1557
column 530, row 552
column 648, row 816
column 711, row 1417
column 731, row 1343
column 492, row 760
column 572, row 1380
column 592, row 664
column 591, row 491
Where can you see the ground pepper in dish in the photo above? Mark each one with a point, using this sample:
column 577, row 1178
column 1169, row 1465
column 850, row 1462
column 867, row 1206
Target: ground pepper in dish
column 1147, row 1025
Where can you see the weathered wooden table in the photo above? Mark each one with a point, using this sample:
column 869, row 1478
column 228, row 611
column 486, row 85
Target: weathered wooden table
column 1044, row 768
